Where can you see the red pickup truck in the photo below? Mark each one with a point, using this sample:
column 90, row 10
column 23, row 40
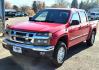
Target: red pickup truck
column 51, row 32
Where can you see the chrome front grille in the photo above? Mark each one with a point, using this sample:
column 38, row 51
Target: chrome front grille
column 22, row 37
column 21, row 34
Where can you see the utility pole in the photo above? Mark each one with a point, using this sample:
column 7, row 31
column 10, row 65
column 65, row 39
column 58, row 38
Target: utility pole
column 2, row 17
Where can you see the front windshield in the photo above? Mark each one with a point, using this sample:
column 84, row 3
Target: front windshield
column 53, row 16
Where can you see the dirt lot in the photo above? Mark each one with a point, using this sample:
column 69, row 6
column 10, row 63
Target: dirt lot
column 80, row 57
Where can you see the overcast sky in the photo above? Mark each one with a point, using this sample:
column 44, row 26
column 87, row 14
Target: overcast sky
column 29, row 2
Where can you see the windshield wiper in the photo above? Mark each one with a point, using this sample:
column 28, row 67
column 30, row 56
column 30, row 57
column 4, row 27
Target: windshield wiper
column 34, row 20
column 47, row 21
column 43, row 21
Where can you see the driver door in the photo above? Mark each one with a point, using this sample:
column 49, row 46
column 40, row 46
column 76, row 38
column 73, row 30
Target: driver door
column 74, row 30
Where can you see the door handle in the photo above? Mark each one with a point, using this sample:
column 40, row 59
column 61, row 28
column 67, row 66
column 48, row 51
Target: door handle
column 80, row 27
column 87, row 25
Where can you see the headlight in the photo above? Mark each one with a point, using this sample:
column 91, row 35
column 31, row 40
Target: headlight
column 44, row 34
column 41, row 42
column 7, row 33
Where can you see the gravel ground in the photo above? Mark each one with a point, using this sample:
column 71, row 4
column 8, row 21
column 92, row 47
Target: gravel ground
column 80, row 57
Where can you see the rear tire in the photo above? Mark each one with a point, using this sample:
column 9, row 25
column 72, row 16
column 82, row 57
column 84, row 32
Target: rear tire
column 91, row 40
column 59, row 54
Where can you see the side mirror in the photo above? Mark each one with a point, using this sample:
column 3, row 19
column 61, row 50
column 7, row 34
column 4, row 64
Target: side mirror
column 6, row 18
column 75, row 22
column 30, row 18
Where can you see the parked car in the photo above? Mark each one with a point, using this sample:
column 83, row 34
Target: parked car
column 94, row 15
column 10, row 14
column 51, row 32
column 20, row 14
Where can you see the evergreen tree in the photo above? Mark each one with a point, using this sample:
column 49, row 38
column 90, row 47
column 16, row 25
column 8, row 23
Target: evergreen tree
column 81, row 6
column 15, row 7
column 34, row 6
column 38, row 5
column 74, row 4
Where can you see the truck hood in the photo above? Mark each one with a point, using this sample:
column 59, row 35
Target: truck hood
column 37, row 26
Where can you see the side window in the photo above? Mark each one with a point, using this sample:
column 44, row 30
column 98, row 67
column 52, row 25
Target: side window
column 75, row 19
column 83, row 17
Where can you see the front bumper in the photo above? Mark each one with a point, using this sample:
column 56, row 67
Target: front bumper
column 29, row 49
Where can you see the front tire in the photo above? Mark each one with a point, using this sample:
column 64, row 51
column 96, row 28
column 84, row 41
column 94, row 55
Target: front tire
column 91, row 40
column 14, row 54
column 59, row 54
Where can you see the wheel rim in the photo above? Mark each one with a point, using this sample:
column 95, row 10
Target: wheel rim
column 93, row 38
column 61, row 55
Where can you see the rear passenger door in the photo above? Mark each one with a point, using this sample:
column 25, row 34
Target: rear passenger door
column 84, row 25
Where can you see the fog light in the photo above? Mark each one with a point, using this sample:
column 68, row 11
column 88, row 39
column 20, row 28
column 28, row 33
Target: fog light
column 45, row 41
column 26, row 38
column 42, row 53
column 39, row 41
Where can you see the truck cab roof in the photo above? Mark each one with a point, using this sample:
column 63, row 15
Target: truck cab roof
column 70, row 9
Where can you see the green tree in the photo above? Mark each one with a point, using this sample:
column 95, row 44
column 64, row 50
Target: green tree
column 81, row 5
column 41, row 5
column 34, row 6
column 8, row 5
column 74, row 4
column 38, row 5
column 16, row 7
column 97, row 1
column 88, row 4
column 60, row 4
column 24, row 8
